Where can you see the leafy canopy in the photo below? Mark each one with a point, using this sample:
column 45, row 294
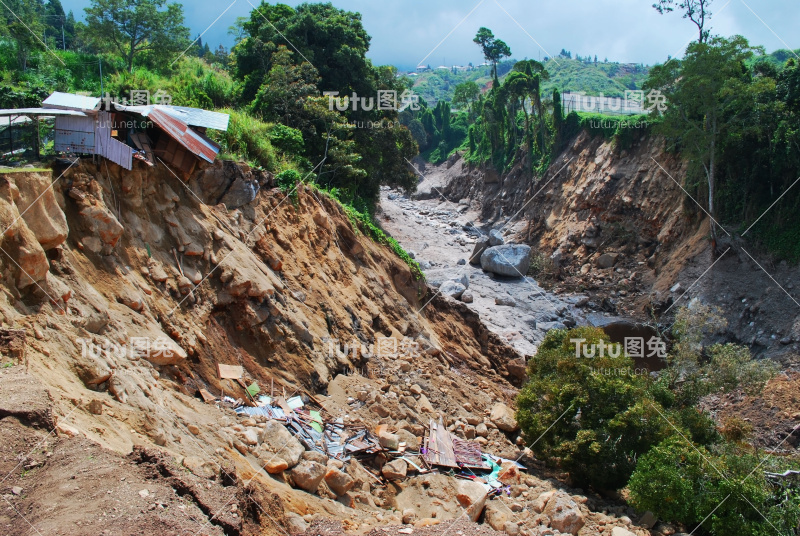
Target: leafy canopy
column 130, row 27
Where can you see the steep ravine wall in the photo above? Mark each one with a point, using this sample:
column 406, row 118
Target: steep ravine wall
column 627, row 206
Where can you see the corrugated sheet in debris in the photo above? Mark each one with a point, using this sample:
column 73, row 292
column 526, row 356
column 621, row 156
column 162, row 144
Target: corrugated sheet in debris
column 71, row 101
column 183, row 134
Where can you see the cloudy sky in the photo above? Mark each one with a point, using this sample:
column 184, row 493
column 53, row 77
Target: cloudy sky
column 439, row 32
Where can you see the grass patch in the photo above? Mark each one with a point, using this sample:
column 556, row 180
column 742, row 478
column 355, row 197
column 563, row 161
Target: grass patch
column 23, row 170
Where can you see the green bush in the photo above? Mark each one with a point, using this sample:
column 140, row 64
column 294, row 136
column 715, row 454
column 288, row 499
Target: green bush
column 287, row 180
column 287, row 139
column 591, row 416
column 727, row 492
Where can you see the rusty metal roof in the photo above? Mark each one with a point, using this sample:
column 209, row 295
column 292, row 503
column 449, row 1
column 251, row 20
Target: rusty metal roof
column 183, row 134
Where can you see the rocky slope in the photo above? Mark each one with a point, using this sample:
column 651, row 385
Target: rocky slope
column 100, row 436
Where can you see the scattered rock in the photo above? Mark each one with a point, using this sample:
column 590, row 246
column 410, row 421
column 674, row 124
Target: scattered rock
column 389, row 441
column 496, row 515
column 277, row 439
column 308, row 475
column 606, row 260
column 339, row 482
column 506, row 301
column 648, row 520
column 564, row 513
column 467, row 296
column 452, row 289
column 480, row 246
column 472, row 496
column 409, row 516
column 496, row 239
column 275, row 465
column 395, row 470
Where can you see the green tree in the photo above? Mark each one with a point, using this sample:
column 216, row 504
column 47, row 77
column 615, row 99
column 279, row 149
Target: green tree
column 331, row 39
column 285, row 89
column 23, row 23
column 465, row 94
column 697, row 92
column 591, row 416
column 696, row 11
column 129, row 28
column 493, row 49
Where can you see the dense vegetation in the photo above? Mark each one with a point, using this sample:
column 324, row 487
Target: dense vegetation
column 735, row 118
column 566, row 74
column 596, row 416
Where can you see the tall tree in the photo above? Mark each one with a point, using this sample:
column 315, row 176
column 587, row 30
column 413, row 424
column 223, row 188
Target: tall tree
column 131, row 27
column 698, row 90
column 493, row 49
column 696, row 11
column 333, row 40
column 23, row 23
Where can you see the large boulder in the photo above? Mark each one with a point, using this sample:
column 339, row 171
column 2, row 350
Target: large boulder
column 276, row 439
column 100, row 221
column 308, row 475
column 480, row 246
column 503, row 417
column 511, row 260
column 564, row 513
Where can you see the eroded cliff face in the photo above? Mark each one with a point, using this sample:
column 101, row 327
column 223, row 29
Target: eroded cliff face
column 223, row 268
column 616, row 224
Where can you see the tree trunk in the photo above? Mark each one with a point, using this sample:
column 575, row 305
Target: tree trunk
column 712, row 186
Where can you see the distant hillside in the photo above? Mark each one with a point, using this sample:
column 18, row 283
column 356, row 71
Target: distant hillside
column 779, row 57
column 611, row 78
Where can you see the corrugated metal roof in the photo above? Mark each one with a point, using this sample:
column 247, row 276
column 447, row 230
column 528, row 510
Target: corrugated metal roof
column 198, row 118
column 71, row 101
column 183, row 134
column 41, row 111
column 191, row 116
